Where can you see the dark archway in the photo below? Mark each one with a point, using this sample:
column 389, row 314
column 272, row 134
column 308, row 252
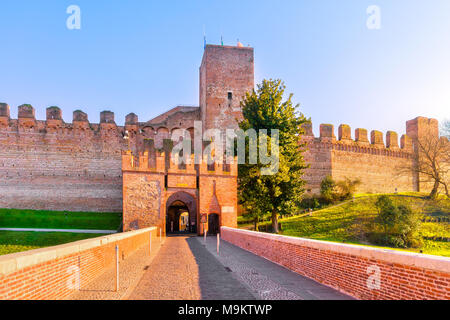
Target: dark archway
column 177, row 218
column 213, row 224
column 181, row 213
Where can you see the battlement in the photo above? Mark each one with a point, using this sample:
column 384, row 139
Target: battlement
column 142, row 163
column 157, row 162
column 361, row 143
column 54, row 120
column 421, row 126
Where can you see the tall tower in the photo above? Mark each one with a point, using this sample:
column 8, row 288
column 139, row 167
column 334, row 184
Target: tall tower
column 226, row 73
column 423, row 129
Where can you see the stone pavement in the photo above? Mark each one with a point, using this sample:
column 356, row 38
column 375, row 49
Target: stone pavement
column 185, row 270
column 269, row 280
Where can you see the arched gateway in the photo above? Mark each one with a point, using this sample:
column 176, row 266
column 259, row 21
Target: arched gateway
column 181, row 213
column 173, row 199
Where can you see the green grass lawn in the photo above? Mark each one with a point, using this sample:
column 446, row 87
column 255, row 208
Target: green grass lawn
column 11, row 241
column 349, row 221
column 14, row 218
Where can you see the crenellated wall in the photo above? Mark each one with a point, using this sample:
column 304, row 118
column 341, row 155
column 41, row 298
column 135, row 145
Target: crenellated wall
column 60, row 166
column 77, row 166
column 372, row 161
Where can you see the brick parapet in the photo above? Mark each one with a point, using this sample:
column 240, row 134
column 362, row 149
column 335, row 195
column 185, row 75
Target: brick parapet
column 26, row 120
column 361, row 144
column 52, row 273
column 141, row 163
column 348, row 268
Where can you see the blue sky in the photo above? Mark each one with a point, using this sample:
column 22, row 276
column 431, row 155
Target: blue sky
column 143, row 56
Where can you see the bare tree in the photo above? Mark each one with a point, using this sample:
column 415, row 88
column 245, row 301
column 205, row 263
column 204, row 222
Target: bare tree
column 445, row 129
column 432, row 161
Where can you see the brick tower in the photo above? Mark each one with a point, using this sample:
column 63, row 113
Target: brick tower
column 416, row 129
column 422, row 126
column 226, row 73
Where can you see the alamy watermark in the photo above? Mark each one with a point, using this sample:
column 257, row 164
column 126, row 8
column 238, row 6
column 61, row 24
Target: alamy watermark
column 224, row 146
column 73, row 22
column 73, row 280
column 374, row 20
column 374, row 280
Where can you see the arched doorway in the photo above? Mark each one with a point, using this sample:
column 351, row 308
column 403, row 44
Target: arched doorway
column 181, row 213
column 213, row 224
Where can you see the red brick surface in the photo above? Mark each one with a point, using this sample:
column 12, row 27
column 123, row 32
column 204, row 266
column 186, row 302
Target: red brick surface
column 51, row 279
column 60, row 166
column 224, row 70
column 147, row 198
column 380, row 169
column 344, row 267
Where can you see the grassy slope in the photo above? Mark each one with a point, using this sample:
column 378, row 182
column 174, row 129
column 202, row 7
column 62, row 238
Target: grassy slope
column 14, row 218
column 348, row 222
column 11, row 242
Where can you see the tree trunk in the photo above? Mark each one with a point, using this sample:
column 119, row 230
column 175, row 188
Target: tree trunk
column 433, row 194
column 274, row 221
column 446, row 190
column 255, row 223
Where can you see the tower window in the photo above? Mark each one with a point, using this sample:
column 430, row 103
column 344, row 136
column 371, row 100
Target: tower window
column 230, row 95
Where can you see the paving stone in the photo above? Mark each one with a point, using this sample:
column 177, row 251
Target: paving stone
column 269, row 280
column 185, row 270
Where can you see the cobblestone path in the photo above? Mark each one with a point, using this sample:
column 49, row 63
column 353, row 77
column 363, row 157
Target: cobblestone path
column 185, row 270
column 269, row 280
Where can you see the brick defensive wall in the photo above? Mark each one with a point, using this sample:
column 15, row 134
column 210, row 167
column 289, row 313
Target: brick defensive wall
column 60, row 166
column 374, row 161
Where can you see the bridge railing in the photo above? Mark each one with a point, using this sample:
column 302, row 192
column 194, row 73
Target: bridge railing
column 359, row 271
column 57, row 272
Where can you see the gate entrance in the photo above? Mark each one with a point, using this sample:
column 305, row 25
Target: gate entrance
column 181, row 215
column 213, row 224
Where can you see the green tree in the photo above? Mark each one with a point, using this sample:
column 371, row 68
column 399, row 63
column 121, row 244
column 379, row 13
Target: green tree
column 385, row 218
column 281, row 192
column 250, row 200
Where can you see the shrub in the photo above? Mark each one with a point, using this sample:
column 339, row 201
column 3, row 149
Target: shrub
column 347, row 188
column 332, row 191
column 310, row 203
column 327, row 190
column 395, row 226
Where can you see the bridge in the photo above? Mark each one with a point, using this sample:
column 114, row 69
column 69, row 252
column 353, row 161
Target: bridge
column 188, row 268
column 146, row 265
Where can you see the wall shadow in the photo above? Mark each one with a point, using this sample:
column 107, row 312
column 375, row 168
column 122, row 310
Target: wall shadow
column 215, row 281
